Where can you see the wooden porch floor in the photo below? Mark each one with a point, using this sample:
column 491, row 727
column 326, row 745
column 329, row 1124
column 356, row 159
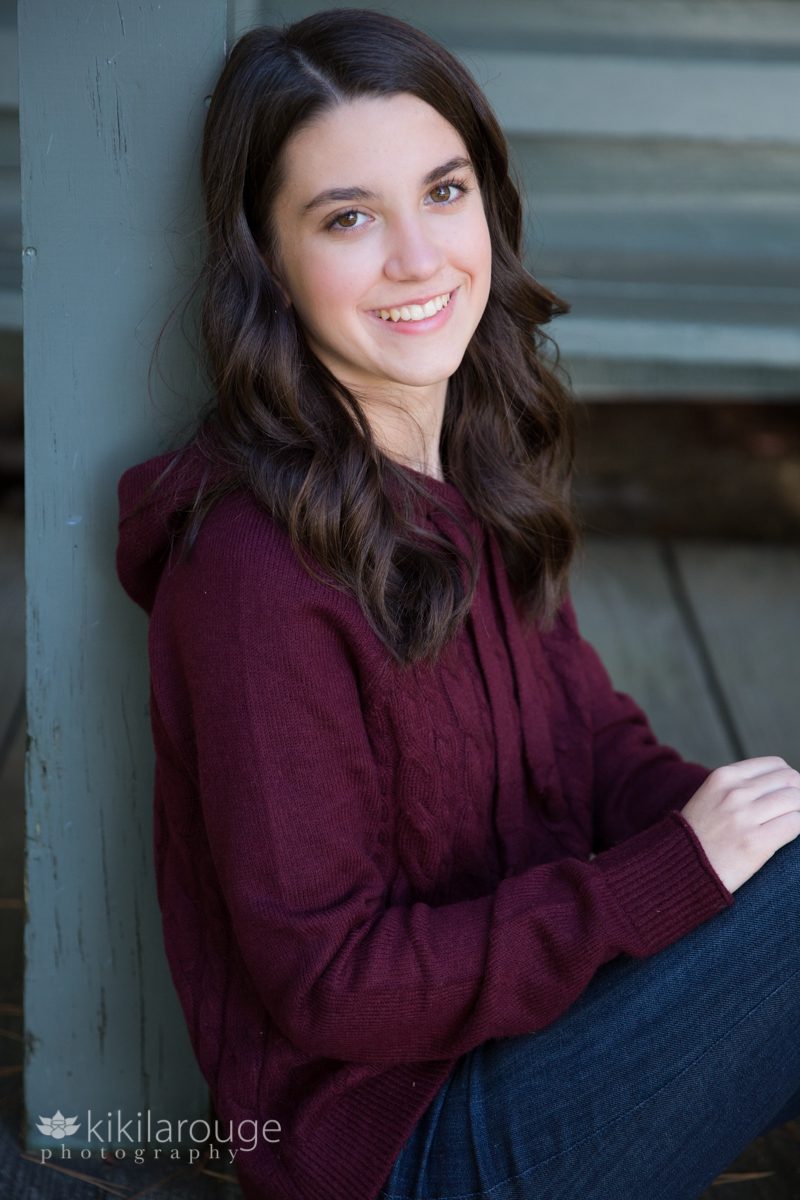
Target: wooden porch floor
column 703, row 634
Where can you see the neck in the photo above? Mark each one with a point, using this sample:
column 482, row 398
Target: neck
column 408, row 427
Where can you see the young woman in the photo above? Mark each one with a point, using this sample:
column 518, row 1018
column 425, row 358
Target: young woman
column 445, row 919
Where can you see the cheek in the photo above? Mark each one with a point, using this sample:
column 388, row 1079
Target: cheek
column 483, row 248
column 313, row 296
column 329, row 286
column 472, row 250
column 479, row 265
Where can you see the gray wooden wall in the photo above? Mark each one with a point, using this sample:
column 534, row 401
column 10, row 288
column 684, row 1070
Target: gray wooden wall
column 112, row 102
column 10, row 237
column 659, row 146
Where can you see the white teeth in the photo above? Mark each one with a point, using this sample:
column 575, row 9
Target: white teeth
column 415, row 312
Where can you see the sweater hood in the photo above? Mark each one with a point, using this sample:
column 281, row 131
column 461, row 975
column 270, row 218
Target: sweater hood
column 150, row 508
column 149, row 512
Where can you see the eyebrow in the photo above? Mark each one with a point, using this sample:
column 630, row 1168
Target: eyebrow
column 359, row 193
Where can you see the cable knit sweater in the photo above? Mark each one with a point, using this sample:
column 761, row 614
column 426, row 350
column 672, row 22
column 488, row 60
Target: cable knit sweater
column 365, row 873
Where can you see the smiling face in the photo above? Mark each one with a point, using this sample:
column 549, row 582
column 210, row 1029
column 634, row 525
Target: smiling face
column 383, row 246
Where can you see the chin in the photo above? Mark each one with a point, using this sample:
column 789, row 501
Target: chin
column 423, row 381
column 429, row 376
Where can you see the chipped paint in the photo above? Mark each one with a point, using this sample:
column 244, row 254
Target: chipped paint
column 104, row 85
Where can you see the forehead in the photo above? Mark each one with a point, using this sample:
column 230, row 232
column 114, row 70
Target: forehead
column 359, row 141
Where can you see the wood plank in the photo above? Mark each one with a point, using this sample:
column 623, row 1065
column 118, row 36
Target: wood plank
column 12, row 848
column 762, row 28
column 673, row 304
column 657, row 176
column 706, row 240
column 9, row 78
column 754, row 28
column 686, row 342
column 707, row 99
column 12, row 623
column 747, row 602
column 627, row 610
column 112, row 108
column 599, row 380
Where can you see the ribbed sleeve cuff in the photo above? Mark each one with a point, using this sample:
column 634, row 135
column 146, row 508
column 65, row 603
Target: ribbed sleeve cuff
column 663, row 882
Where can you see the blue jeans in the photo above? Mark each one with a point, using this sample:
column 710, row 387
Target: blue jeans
column 651, row 1084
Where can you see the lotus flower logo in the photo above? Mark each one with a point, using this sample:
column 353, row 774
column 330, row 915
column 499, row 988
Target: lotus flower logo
column 58, row 1126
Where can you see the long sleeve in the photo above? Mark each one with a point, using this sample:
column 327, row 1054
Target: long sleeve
column 637, row 778
column 276, row 671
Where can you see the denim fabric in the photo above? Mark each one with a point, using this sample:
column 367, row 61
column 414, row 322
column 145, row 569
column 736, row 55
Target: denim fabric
column 651, row 1084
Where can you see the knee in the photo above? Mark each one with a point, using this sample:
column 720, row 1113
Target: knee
column 775, row 887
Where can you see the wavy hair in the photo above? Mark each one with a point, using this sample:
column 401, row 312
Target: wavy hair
column 291, row 433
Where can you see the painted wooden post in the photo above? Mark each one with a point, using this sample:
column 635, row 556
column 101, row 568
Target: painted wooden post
column 112, row 101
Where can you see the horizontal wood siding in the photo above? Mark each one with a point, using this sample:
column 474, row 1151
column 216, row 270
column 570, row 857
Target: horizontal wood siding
column 659, row 150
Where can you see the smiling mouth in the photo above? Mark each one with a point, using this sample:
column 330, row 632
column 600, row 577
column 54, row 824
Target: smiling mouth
column 415, row 312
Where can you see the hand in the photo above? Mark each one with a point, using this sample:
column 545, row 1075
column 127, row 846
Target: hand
column 743, row 813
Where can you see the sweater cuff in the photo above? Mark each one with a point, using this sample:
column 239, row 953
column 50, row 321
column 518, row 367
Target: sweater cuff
column 663, row 882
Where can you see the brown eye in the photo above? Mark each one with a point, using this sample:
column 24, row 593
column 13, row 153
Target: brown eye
column 448, row 192
column 347, row 220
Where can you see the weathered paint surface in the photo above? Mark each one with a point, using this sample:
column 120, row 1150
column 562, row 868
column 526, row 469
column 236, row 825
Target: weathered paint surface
column 659, row 150
column 679, row 623
column 111, row 116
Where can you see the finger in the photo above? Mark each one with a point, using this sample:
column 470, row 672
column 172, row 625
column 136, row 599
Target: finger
column 774, row 803
column 759, row 785
column 752, row 768
column 787, row 824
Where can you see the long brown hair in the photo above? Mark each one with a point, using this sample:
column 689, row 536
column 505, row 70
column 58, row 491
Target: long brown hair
column 286, row 429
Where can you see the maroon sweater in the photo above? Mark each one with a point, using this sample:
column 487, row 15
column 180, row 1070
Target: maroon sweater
column 363, row 874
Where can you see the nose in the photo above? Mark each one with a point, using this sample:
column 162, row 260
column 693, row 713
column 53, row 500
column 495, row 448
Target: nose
column 413, row 251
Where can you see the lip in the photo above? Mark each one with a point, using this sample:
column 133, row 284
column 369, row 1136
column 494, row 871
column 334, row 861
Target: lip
column 427, row 324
